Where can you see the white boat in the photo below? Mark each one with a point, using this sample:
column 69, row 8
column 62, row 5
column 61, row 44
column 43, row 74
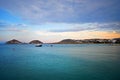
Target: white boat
column 38, row 45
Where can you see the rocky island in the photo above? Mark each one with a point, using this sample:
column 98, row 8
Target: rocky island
column 68, row 41
column 14, row 41
column 90, row 41
column 72, row 41
column 35, row 42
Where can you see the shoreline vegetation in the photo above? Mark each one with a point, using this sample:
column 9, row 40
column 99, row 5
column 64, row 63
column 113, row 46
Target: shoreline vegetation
column 71, row 41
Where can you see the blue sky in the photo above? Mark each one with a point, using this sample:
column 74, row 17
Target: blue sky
column 54, row 20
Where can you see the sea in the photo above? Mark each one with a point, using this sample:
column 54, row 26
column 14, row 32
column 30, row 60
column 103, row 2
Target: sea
column 60, row 62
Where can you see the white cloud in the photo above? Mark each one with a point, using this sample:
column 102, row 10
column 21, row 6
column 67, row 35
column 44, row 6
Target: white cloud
column 38, row 11
column 90, row 27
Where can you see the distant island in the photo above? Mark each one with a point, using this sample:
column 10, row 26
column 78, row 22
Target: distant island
column 14, row 41
column 35, row 42
column 72, row 41
column 89, row 41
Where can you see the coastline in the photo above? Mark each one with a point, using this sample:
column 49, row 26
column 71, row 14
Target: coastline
column 69, row 41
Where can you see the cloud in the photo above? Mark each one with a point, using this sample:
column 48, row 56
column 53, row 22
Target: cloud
column 62, row 27
column 13, row 27
column 109, row 26
column 13, row 30
column 72, row 30
column 75, row 11
column 3, row 24
column 90, row 27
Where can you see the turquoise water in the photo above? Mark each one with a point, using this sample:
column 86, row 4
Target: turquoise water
column 60, row 62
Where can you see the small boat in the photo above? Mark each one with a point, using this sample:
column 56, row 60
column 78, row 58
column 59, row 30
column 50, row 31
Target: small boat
column 51, row 45
column 38, row 45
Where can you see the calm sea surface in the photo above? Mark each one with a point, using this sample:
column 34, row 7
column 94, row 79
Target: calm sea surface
column 60, row 62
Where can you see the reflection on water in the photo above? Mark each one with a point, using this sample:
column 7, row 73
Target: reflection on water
column 60, row 62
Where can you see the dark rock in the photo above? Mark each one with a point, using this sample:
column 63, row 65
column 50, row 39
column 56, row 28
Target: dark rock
column 14, row 41
column 35, row 42
column 68, row 41
column 116, row 40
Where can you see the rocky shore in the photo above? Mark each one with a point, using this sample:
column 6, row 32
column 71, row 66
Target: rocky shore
column 90, row 41
column 72, row 41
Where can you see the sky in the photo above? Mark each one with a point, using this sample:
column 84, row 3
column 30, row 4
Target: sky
column 54, row 20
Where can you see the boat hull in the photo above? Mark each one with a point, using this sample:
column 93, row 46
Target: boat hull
column 38, row 46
